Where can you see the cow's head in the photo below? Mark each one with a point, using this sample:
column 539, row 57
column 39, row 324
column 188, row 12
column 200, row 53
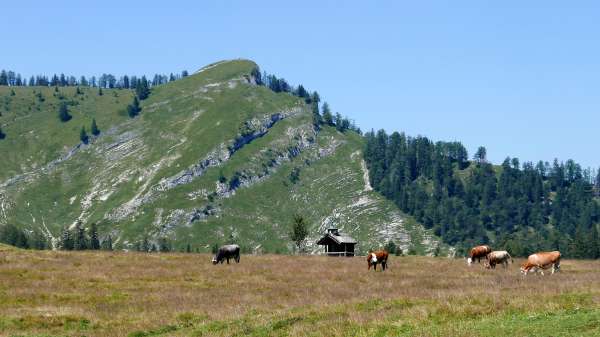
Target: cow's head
column 469, row 261
column 487, row 265
column 214, row 260
column 373, row 258
column 525, row 268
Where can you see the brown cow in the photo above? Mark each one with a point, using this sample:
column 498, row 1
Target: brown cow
column 497, row 257
column 540, row 261
column 380, row 256
column 477, row 253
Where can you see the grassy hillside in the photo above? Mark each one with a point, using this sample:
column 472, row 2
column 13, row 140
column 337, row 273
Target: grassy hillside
column 209, row 158
column 118, row 294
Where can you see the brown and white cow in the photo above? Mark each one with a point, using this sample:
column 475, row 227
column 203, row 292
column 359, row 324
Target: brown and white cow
column 380, row 256
column 478, row 252
column 540, row 261
column 497, row 257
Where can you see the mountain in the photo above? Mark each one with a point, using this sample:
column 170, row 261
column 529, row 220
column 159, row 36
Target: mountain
column 211, row 157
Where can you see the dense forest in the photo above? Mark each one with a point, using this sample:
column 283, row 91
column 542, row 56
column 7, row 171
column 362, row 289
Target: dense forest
column 516, row 206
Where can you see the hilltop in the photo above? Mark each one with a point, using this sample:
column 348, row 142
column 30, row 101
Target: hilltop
column 212, row 156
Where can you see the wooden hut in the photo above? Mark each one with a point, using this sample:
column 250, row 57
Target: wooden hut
column 337, row 243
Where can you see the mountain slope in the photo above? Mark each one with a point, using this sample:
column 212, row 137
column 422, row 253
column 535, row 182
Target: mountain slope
column 210, row 157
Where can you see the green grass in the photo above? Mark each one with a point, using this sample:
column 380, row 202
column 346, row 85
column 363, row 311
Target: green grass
column 393, row 318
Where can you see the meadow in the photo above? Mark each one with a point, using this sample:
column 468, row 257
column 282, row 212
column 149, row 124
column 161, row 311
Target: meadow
column 54, row 293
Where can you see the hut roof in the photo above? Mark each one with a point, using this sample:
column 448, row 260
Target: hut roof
column 337, row 237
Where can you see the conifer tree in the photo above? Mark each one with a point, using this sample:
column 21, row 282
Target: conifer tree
column 66, row 242
column 14, row 236
column 299, row 232
column 142, row 89
column 145, row 245
column 100, row 93
column 2, row 134
column 481, row 155
column 164, row 245
column 83, row 136
column 134, row 109
column 107, row 244
column 39, row 240
column 93, row 234
column 327, row 116
column 79, row 239
column 63, row 113
column 94, row 128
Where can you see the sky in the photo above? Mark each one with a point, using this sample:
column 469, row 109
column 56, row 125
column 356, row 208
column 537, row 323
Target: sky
column 521, row 78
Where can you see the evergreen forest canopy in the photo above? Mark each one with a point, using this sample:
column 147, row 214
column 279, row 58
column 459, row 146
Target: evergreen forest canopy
column 519, row 207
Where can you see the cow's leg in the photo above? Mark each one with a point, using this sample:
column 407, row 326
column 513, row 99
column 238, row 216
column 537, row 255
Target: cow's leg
column 237, row 259
column 383, row 265
column 227, row 260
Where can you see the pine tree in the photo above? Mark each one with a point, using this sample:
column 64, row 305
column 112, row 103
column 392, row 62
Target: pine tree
column 14, row 236
column 93, row 234
column 100, row 93
column 63, row 113
column 299, row 232
column 3, row 78
column 327, row 116
column 66, row 240
column 39, row 240
column 145, row 245
column 594, row 240
column 188, row 248
column 164, row 245
column 107, row 243
column 142, row 90
column 2, row 134
column 79, row 240
column 481, row 155
column 83, row 136
column 134, row 109
column 94, row 128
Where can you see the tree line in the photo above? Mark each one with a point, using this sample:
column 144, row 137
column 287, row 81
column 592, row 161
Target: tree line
column 106, row 81
column 323, row 116
column 520, row 207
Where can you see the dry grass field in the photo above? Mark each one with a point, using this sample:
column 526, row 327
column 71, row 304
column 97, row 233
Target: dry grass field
column 130, row 294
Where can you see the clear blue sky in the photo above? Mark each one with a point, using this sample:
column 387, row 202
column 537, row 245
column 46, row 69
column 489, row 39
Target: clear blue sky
column 520, row 77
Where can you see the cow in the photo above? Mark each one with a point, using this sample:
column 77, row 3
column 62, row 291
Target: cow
column 380, row 256
column 227, row 252
column 477, row 253
column 540, row 261
column 497, row 257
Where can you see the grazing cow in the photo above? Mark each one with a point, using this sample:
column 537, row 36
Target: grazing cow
column 497, row 257
column 380, row 256
column 540, row 261
column 477, row 253
column 227, row 252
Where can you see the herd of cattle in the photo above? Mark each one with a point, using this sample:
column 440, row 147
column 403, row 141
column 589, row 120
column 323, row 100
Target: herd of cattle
column 535, row 262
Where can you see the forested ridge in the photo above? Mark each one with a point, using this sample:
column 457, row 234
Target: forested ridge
column 519, row 207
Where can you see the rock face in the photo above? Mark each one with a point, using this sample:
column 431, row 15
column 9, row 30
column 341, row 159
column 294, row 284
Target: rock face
column 212, row 156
